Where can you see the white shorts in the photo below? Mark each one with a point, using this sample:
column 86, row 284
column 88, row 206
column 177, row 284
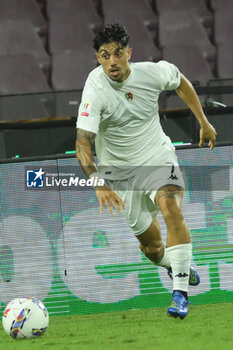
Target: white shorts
column 138, row 192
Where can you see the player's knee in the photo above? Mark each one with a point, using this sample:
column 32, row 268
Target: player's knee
column 154, row 249
column 173, row 215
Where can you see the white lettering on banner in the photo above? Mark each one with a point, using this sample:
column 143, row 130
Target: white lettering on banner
column 82, row 259
column 226, row 274
column 226, row 269
column 30, row 264
column 230, row 230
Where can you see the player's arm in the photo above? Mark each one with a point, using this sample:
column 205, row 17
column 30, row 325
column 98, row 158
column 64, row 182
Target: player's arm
column 84, row 143
column 188, row 94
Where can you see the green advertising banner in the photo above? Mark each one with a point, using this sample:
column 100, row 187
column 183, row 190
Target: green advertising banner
column 56, row 246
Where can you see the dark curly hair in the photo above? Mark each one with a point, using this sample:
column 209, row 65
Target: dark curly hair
column 111, row 33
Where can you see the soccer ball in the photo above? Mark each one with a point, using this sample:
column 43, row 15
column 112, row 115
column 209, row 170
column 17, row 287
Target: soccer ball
column 25, row 318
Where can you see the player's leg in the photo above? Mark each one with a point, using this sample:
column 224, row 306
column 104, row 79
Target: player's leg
column 152, row 246
column 169, row 200
column 140, row 214
column 179, row 249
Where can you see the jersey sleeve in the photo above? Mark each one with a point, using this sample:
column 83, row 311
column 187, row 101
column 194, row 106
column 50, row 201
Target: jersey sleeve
column 170, row 75
column 89, row 112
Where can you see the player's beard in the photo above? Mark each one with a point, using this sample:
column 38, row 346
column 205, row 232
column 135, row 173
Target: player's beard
column 121, row 76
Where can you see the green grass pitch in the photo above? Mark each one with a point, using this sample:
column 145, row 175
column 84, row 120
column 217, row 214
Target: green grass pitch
column 207, row 327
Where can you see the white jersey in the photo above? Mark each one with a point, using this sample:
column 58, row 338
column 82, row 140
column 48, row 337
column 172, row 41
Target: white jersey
column 124, row 115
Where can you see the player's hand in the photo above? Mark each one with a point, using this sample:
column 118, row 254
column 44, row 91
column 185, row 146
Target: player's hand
column 108, row 197
column 207, row 132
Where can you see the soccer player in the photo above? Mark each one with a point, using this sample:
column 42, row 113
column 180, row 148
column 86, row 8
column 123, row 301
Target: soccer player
column 119, row 112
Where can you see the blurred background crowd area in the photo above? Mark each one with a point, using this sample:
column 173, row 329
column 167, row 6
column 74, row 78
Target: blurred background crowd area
column 46, row 53
column 46, row 45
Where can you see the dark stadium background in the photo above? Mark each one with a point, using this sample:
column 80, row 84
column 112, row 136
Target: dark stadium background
column 46, row 54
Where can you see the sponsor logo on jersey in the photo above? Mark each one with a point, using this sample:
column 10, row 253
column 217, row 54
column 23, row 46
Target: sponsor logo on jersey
column 85, row 112
column 173, row 175
column 129, row 96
